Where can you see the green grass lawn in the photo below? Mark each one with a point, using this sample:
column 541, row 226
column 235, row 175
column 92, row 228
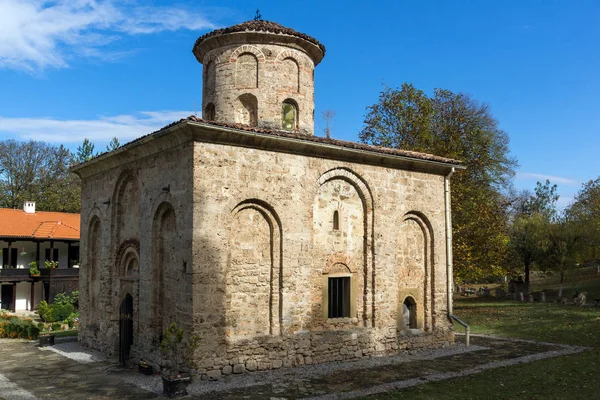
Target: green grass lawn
column 568, row 377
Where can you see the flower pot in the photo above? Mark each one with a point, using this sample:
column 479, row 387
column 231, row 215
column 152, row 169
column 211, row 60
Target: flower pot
column 46, row 340
column 145, row 369
column 175, row 386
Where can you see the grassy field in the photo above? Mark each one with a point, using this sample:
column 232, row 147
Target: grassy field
column 568, row 377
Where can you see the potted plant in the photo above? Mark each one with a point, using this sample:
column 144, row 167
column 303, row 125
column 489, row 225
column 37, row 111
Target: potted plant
column 50, row 264
column 33, row 269
column 175, row 380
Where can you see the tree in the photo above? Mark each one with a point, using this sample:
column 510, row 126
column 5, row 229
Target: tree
column 37, row 171
column 531, row 228
column 585, row 212
column 561, row 255
column 328, row 115
column 113, row 145
column 85, row 151
column 455, row 126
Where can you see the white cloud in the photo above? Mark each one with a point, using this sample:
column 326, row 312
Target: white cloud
column 124, row 127
column 543, row 177
column 40, row 34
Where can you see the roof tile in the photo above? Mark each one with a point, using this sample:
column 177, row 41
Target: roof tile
column 39, row 225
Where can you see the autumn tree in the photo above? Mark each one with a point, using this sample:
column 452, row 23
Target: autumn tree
column 456, row 126
column 585, row 212
column 37, row 171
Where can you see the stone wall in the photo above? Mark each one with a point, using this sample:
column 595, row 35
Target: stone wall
column 121, row 209
column 237, row 246
column 248, row 84
column 265, row 244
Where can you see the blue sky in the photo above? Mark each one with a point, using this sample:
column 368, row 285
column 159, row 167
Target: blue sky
column 71, row 69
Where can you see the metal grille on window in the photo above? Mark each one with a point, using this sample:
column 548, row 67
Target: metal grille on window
column 339, row 297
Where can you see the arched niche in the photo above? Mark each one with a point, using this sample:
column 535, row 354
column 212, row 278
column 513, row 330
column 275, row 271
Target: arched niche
column 165, row 269
column 94, row 257
column 247, row 110
column 246, row 71
column 254, row 279
column 342, row 190
column 415, row 268
column 290, row 71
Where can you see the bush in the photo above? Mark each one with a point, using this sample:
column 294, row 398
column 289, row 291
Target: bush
column 56, row 326
column 57, row 311
column 70, row 320
column 71, row 298
column 18, row 328
column 45, row 311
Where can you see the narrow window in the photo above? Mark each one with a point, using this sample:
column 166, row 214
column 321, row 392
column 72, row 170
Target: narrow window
column 336, row 220
column 289, row 115
column 409, row 313
column 209, row 112
column 339, row 297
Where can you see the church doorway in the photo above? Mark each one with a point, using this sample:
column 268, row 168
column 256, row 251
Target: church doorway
column 125, row 329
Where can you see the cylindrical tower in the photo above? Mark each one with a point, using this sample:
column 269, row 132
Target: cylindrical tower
column 259, row 73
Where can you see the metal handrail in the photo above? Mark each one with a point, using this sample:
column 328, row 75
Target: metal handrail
column 464, row 324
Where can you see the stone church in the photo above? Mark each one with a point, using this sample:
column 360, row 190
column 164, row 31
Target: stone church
column 271, row 247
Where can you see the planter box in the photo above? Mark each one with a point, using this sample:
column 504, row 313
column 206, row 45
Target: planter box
column 46, row 340
column 175, row 387
column 146, row 369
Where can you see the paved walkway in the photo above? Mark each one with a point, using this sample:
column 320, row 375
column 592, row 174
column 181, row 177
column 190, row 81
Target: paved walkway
column 28, row 372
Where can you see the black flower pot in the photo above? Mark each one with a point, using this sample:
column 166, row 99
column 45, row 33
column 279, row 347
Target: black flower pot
column 46, row 340
column 175, row 386
column 146, row 369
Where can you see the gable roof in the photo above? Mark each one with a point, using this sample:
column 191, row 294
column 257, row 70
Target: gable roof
column 39, row 225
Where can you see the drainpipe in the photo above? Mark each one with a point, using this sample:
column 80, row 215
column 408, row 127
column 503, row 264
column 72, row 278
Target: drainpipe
column 449, row 266
column 448, row 239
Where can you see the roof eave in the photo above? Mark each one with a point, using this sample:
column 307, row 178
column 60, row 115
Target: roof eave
column 203, row 132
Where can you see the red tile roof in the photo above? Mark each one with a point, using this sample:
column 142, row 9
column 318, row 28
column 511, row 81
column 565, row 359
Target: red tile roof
column 259, row 26
column 39, row 225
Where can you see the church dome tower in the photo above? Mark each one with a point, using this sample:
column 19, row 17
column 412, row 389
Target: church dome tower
column 259, row 73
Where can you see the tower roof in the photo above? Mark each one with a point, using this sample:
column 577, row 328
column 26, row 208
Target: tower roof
column 255, row 26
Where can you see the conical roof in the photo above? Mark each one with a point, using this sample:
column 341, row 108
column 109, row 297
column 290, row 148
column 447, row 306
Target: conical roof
column 257, row 26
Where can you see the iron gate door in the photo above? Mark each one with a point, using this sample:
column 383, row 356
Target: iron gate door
column 125, row 329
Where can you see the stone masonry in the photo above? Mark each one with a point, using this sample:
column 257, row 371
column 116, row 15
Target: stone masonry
column 240, row 235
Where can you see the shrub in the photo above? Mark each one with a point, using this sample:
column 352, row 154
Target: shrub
column 45, row 311
column 61, row 311
column 67, row 298
column 40, row 326
column 70, row 320
column 18, row 328
column 56, row 326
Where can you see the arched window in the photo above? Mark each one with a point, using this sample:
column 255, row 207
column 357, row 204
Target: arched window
column 336, row 220
column 289, row 115
column 409, row 313
column 209, row 112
